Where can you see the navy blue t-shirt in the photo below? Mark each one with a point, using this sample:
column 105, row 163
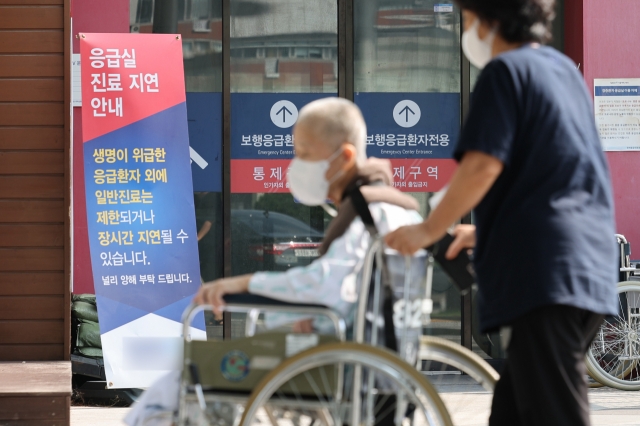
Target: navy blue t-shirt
column 545, row 230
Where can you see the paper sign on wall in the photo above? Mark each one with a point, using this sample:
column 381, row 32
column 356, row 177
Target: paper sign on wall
column 617, row 112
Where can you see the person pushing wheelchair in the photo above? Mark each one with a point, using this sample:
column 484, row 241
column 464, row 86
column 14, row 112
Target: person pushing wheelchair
column 532, row 167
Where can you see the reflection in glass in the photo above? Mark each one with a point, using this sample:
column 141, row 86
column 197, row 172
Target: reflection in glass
column 557, row 29
column 284, row 46
column 487, row 345
column 200, row 24
column 405, row 46
column 279, row 46
column 474, row 73
column 208, row 206
column 445, row 319
column 271, row 232
column 412, row 46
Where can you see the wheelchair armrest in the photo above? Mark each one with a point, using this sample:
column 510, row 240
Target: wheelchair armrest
column 254, row 299
column 252, row 303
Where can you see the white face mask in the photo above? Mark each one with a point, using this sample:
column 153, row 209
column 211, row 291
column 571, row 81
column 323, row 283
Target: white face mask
column 307, row 181
column 477, row 51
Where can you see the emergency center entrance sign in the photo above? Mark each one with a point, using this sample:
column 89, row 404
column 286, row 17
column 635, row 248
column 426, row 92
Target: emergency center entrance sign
column 417, row 132
column 139, row 192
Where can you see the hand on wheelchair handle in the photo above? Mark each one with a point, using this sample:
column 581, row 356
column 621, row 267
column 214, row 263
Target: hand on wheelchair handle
column 465, row 238
column 409, row 239
column 456, row 263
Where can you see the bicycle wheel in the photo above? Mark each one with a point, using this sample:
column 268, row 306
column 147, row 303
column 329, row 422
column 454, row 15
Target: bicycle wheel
column 344, row 383
column 613, row 356
column 591, row 382
column 464, row 381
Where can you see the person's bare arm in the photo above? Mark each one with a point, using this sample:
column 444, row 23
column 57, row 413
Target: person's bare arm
column 212, row 293
column 206, row 227
column 472, row 180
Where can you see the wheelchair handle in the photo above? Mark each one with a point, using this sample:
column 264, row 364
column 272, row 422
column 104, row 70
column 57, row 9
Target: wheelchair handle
column 459, row 269
column 193, row 309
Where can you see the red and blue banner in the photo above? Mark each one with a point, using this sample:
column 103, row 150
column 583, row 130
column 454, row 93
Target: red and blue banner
column 139, row 197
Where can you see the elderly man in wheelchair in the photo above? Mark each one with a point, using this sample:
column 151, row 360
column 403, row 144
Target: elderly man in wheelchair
column 331, row 165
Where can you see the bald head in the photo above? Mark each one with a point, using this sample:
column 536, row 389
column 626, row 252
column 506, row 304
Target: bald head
column 335, row 121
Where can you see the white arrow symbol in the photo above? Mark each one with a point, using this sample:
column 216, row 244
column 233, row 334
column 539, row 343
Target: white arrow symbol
column 197, row 158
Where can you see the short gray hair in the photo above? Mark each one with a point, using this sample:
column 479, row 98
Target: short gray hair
column 336, row 121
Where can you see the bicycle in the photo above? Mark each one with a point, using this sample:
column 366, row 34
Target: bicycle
column 613, row 356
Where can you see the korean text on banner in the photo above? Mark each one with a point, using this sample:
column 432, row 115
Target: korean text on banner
column 140, row 212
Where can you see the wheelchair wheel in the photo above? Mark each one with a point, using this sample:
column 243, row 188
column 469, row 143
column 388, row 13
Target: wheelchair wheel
column 613, row 356
column 344, row 383
column 464, row 381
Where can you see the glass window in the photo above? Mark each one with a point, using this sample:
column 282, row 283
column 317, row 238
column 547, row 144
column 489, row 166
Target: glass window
column 277, row 46
column 412, row 47
column 287, row 50
column 141, row 12
column 200, row 24
column 274, row 234
column 293, row 31
column 405, row 46
column 558, row 27
column 208, row 207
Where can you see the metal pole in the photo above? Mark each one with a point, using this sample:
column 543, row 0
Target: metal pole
column 465, row 98
column 165, row 17
column 226, row 150
column 345, row 49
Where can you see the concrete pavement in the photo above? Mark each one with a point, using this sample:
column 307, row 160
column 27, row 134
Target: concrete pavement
column 608, row 407
column 97, row 416
column 614, row 407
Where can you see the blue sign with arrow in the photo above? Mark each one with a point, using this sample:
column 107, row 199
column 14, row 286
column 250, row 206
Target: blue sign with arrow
column 407, row 110
column 284, row 112
column 261, row 123
column 410, row 125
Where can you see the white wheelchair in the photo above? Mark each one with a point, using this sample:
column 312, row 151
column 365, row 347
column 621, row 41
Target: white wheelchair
column 347, row 377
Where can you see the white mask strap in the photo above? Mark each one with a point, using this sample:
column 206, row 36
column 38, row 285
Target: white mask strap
column 330, row 160
column 335, row 155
